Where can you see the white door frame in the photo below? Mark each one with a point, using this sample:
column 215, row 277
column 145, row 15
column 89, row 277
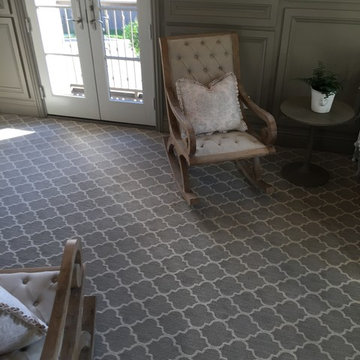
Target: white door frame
column 88, row 108
column 126, row 112
column 60, row 104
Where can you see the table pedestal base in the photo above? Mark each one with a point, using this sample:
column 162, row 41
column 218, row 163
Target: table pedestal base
column 307, row 175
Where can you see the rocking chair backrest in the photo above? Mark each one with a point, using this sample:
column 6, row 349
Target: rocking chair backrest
column 200, row 57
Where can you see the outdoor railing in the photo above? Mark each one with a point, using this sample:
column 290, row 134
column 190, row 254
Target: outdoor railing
column 121, row 49
column 122, row 52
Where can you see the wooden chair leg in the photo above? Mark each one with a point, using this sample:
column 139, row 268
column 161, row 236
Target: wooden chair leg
column 253, row 174
column 88, row 328
column 180, row 170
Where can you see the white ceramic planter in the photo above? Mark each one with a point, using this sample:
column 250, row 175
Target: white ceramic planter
column 320, row 103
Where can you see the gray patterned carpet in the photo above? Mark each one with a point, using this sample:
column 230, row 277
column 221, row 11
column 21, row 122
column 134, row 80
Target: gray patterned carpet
column 242, row 276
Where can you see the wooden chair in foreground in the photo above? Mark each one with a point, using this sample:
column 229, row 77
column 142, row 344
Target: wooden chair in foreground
column 55, row 295
column 204, row 58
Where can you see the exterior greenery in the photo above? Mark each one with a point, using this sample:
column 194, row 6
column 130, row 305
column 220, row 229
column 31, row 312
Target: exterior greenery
column 132, row 33
column 324, row 80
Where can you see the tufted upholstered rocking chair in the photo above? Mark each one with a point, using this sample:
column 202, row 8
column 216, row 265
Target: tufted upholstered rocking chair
column 204, row 58
column 55, row 295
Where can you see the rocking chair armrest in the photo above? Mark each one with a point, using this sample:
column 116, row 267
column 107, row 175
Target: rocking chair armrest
column 268, row 133
column 70, row 277
column 185, row 124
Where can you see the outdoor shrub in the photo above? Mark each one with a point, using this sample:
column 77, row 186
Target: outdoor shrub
column 132, row 33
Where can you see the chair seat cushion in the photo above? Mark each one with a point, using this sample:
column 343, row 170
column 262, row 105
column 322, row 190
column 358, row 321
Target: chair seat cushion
column 236, row 143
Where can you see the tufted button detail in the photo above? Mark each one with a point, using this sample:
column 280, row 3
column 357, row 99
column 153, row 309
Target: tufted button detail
column 186, row 43
column 196, row 56
column 221, row 68
column 202, row 42
column 219, row 143
column 36, row 302
column 179, row 57
column 218, row 41
column 54, row 279
column 226, row 53
column 212, row 55
column 205, row 70
column 189, row 71
column 25, row 281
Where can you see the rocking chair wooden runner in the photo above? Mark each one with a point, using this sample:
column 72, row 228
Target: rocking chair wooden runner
column 205, row 58
column 55, row 295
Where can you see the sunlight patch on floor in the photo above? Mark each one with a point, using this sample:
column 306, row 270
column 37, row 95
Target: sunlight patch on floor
column 9, row 133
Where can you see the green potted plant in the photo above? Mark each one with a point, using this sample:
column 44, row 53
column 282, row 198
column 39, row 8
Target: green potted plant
column 324, row 86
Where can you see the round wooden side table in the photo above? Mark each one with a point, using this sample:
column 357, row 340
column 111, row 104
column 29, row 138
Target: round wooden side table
column 304, row 173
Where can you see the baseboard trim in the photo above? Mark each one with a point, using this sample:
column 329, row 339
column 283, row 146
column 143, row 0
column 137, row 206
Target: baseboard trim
column 20, row 107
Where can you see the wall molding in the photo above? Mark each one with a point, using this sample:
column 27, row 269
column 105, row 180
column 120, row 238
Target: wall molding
column 13, row 84
column 309, row 2
column 29, row 59
column 325, row 140
column 294, row 17
column 254, row 44
column 4, row 7
column 297, row 136
column 16, row 106
column 269, row 32
column 216, row 11
column 159, row 88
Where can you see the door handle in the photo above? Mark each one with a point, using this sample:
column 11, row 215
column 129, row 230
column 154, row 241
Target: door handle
column 79, row 19
column 93, row 19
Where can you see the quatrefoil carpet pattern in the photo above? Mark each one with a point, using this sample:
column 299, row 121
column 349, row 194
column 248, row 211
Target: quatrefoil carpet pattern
column 242, row 276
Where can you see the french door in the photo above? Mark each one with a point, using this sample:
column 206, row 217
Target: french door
column 95, row 58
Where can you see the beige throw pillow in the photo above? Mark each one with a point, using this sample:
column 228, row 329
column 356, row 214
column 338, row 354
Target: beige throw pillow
column 211, row 108
column 19, row 327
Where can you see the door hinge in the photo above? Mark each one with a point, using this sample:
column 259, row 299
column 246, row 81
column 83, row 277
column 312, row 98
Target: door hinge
column 42, row 92
column 151, row 30
column 28, row 25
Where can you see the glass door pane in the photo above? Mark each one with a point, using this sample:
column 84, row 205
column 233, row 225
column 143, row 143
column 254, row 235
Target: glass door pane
column 60, row 33
column 88, row 54
column 57, row 29
column 120, row 28
column 123, row 59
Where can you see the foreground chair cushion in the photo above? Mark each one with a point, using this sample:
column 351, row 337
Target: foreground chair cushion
column 211, row 108
column 30, row 352
column 55, row 294
column 19, row 327
column 36, row 290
